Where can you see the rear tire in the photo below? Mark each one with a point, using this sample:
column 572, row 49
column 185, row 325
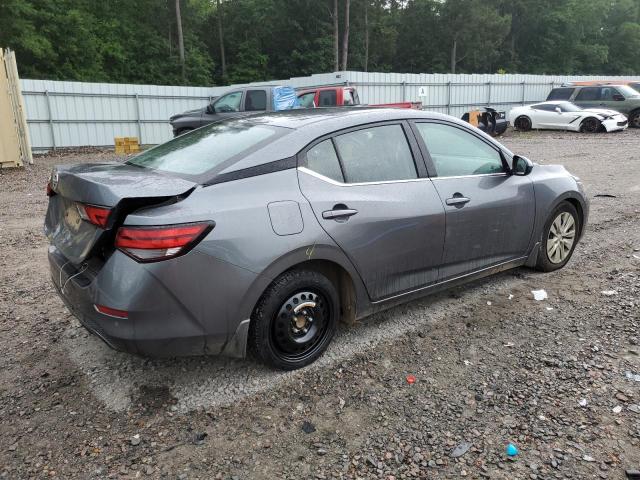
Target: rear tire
column 523, row 123
column 295, row 320
column 590, row 125
column 559, row 238
column 634, row 119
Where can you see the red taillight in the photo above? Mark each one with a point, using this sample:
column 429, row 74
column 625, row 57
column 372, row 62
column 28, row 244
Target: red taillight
column 112, row 312
column 99, row 216
column 50, row 191
column 148, row 244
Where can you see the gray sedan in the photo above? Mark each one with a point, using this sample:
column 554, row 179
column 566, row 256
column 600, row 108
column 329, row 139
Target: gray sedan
column 259, row 234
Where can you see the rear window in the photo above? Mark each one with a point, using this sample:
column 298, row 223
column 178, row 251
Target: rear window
column 588, row 94
column 560, row 94
column 208, row 147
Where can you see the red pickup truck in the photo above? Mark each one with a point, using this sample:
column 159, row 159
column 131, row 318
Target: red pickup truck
column 340, row 96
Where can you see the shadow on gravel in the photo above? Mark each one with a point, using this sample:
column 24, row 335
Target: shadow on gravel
column 118, row 379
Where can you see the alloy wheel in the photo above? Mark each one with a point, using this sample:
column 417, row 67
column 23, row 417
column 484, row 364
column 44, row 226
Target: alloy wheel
column 561, row 237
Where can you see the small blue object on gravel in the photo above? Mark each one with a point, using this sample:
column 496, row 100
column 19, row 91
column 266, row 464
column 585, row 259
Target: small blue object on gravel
column 512, row 450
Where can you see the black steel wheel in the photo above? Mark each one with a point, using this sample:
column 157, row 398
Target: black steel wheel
column 523, row 123
column 294, row 320
column 590, row 125
column 634, row 119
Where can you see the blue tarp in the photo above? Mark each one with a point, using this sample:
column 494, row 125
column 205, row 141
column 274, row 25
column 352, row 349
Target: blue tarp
column 284, row 98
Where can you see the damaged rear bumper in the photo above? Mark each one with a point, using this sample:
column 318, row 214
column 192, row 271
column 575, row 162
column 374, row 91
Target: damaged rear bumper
column 158, row 324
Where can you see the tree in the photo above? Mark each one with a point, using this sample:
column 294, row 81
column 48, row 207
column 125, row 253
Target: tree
column 336, row 37
column 223, row 61
column 345, row 35
column 180, row 39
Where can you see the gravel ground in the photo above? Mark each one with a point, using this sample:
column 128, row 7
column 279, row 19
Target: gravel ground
column 559, row 378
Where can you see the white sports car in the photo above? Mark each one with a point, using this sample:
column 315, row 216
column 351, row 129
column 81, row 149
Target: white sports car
column 566, row 116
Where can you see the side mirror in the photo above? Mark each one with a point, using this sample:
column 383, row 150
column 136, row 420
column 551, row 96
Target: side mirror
column 618, row 98
column 209, row 109
column 521, row 165
column 558, row 109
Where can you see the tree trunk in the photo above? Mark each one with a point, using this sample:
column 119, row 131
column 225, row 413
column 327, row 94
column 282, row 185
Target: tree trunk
column 223, row 62
column 180, row 39
column 336, row 48
column 453, row 55
column 366, row 36
column 345, row 35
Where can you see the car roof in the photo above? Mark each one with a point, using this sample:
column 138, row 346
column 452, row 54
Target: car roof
column 336, row 118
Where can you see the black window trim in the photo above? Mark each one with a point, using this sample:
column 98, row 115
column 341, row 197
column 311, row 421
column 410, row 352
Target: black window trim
column 416, row 154
column 427, row 156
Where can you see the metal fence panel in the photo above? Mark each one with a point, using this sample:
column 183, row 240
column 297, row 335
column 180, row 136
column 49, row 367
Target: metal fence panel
column 67, row 114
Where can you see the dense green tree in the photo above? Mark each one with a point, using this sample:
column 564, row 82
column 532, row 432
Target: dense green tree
column 228, row 41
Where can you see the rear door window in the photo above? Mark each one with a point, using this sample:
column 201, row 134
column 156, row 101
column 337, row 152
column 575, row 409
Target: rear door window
column 347, row 98
column 376, row 154
column 588, row 94
column 255, row 101
column 322, row 159
column 560, row 94
column 328, row 98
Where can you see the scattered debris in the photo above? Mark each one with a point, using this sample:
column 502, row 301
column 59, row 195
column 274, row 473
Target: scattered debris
column 583, row 402
column 549, row 309
column 461, row 449
column 608, row 293
column 605, row 195
column 617, row 409
column 308, row 427
column 588, row 458
column 634, row 408
column 467, row 363
column 198, row 437
column 509, row 345
column 135, row 440
column 512, row 450
column 539, row 294
column 632, row 376
column 411, row 379
column 510, row 296
column 489, row 303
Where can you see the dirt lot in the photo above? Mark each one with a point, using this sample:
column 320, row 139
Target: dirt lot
column 559, row 378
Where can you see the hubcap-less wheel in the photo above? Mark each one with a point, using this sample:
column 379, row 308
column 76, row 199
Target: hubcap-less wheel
column 523, row 123
column 591, row 125
column 562, row 234
column 634, row 121
column 300, row 325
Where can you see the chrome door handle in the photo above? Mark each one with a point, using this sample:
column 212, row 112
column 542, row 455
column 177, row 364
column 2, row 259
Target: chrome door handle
column 457, row 200
column 338, row 213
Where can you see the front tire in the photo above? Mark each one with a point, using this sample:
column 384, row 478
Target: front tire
column 295, row 320
column 523, row 123
column 590, row 125
column 559, row 238
column 634, row 119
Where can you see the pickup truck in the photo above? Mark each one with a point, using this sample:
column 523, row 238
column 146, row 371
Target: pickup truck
column 247, row 100
column 236, row 103
column 338, row 96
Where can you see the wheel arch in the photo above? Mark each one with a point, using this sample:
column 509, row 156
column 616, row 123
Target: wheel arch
column 327, row 260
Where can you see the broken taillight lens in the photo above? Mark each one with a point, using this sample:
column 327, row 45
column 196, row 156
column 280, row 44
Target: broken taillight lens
column 98, row 216
column 150, row 244
column 50, row 191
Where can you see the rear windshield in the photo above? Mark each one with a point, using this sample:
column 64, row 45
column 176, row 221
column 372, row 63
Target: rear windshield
column 208, row 147
column 627, row 91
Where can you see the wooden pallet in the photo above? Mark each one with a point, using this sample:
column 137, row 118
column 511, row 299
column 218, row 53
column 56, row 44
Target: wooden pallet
column 125, row 145
column 15, row 147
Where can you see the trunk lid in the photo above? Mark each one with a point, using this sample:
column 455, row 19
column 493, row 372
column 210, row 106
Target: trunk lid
column 121, row 188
